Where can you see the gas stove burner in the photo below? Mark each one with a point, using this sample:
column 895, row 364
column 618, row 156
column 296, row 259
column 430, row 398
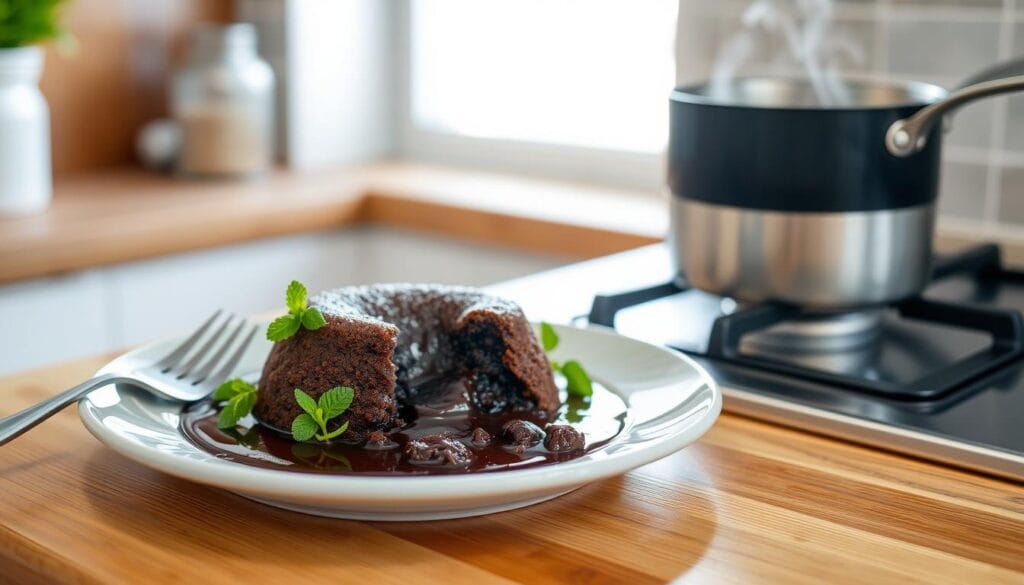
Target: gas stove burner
column 782, row 339
column 828, row 333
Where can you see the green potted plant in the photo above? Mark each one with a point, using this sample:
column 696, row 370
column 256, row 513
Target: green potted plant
column 25, row 183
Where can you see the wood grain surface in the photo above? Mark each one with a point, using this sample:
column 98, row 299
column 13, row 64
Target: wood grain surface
column 748, row 503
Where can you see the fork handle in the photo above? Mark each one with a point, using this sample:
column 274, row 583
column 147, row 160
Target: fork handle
column 16, row 424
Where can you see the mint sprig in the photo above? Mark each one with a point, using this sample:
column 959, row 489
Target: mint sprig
column 300, row 314
column 548, row 337
column 316, row 414
column 577, row 380
column 240, row 396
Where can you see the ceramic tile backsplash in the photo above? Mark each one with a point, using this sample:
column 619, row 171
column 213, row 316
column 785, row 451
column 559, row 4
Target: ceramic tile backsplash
column 1012, row 200
column 1015, row 105
column 963, row 189
column 935, row 47
column 938, row 41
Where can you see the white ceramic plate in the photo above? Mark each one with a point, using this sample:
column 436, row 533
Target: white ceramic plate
column 672, row 402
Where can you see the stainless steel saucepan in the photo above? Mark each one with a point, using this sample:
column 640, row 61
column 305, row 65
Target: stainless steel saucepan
column 777, row 198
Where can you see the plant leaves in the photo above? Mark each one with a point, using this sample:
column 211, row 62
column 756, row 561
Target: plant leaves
column 283, row 327
column 336, row 401
column 238, row 407
column 232, row 388
column 29, row 21
column 306, row 403
column 303, row 427
column 578, row 380
column 313, row 319
column 548, row 337
column 295, row 297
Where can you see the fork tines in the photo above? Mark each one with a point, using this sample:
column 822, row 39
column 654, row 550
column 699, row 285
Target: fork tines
column 197, row 366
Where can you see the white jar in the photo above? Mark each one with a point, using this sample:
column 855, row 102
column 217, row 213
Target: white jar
column 223, row 100
column 25, row 184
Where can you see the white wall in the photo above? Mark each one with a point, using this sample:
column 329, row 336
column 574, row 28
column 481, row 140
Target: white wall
column 54, row 319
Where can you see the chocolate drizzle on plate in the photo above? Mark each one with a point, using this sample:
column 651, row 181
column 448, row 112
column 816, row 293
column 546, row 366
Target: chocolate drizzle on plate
column 443, row 434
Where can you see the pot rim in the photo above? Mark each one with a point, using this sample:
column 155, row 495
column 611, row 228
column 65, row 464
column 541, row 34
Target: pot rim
column 917, row 94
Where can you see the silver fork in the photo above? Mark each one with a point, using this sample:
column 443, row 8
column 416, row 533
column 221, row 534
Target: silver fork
column 190, row 372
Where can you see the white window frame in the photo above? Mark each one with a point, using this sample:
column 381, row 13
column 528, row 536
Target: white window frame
column 619, row 169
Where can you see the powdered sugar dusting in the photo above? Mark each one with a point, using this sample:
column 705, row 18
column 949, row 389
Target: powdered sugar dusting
column 389, row 303
column 425, row 316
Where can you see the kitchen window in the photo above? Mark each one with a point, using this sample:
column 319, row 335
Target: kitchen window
column 501, row 84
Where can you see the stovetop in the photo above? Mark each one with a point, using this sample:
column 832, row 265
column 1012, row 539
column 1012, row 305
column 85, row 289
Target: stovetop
column 941, row 377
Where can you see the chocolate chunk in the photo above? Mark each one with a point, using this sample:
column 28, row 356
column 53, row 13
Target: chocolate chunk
column 521, row 434
column 480, row 438
column 438, row 450
column 563, row 438
column 378, row 441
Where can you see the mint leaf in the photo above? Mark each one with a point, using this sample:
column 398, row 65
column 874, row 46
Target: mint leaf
column 236, row 408
column 548, row 337
column 336, row 432
column 283, row 327
column 232, row 388
column 335, row 401
column 578, row 381
column 300, row 314
column 306, row 403
column 227, row 419
column 295, row 297
column 245, row 403
column 313, row 319
column 303, row 427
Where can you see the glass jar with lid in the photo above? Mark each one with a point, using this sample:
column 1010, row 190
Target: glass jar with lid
column 223, row 100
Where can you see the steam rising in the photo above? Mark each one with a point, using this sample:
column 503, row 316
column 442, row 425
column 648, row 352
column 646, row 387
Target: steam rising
column 806, row 29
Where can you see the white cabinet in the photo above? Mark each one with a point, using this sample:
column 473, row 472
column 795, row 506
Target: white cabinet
column 400, row 256
column 54, row 319
column 160, row 297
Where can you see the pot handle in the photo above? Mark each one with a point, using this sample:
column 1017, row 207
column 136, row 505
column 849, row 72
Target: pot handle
column 909, row 135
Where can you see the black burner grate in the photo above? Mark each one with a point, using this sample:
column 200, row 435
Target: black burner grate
column 1004, row 326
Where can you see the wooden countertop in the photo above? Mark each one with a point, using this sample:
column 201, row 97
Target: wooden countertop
column 129, row 214
column 748, row 503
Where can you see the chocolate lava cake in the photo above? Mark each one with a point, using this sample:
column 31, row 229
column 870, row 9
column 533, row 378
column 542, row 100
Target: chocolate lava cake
column 386, row 341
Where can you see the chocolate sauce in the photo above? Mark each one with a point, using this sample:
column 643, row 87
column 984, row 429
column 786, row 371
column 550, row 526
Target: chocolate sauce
column 443, row 409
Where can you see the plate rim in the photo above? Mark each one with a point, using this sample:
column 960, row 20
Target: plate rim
column 368, row 489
